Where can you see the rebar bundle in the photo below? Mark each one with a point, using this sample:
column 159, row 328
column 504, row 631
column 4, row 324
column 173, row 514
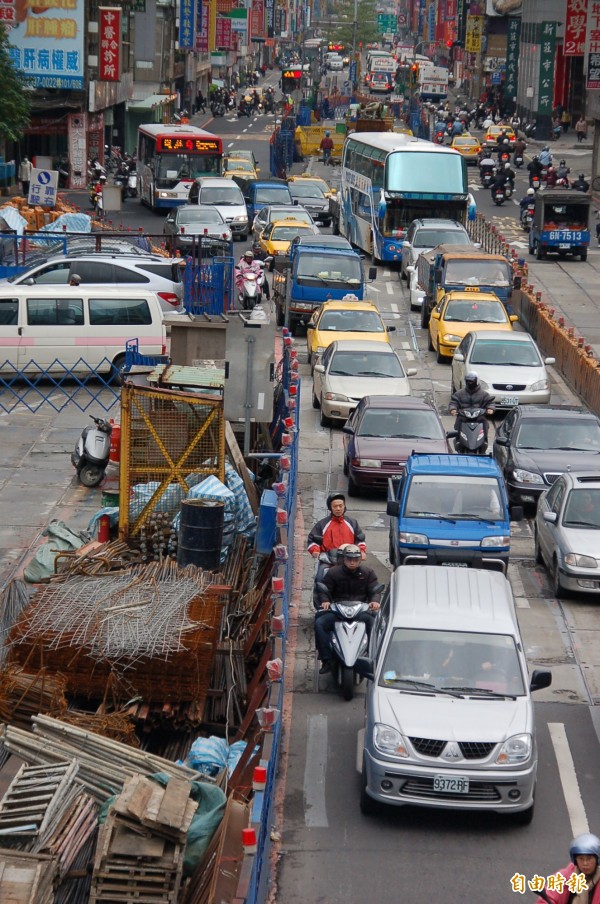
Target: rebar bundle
column 24, row 694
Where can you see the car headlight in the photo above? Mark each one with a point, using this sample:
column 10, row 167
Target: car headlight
column 413, row 539
column 522, row 476
column 488, row 542
column 241, row 219
column 450, row 337
column 540, row 386
column 515, row 750
column 336, row 397
column 368, row 463
column 319, row 350
column 572, row 558
column 389, row 741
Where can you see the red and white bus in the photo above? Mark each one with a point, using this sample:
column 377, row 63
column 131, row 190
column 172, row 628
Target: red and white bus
column 170, row 157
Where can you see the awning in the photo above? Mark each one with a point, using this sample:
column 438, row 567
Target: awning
column 154, row 100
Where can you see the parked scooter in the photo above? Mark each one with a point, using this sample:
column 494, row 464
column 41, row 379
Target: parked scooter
column 470, row 438
column 349, row 640
column 90, row 456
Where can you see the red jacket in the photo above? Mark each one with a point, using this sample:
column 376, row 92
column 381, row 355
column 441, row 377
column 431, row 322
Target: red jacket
column 564, row 897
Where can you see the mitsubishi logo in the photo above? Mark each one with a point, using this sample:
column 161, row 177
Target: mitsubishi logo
column 452, row 751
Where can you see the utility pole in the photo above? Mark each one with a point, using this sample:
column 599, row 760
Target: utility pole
column 354, row 35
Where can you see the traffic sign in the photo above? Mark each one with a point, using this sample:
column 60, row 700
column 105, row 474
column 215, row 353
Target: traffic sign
column 386, row 22
column 352, row 72
column 42, row 187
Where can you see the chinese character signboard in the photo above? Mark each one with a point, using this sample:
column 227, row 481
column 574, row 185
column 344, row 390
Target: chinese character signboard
column 77, row 149
column 47, row 44
column 575, row 25
column 593, row 46
column 109, row 41
column 8, row 14
column 186, row 24
column 202, row 26
column 474, row 34
column 450, row 11
column 546, row 76
column 513, row 42
column 223, row 36
column 431, row 23
column 42, row 188
column 257, row 19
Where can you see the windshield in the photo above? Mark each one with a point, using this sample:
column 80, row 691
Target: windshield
column 505, row 353
column 289, row 213
column 329, row 268
column 238, row 166
column 273, row 195
column 351, row 322
column 452, row 659
column 431, row 238
column 475, row 312
column 559, row 433
column 396, row 423
column 471, row 272
column 227, row 196
column 365, row 364
column 195, row 215
column 303, row 190
column 426, row 172
column 284, row 233
column 583, row 509
column 454, row 496
column 171, row 168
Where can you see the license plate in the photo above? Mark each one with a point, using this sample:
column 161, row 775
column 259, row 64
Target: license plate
column 564, row 245
column 455, row 564
column 509, row 400
column 458, row 784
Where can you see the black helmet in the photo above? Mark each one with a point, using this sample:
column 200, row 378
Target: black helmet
column 585, row 844
column 582, row 176
column 350, row 551
column 562, row 163
column 333, row 496
column 471, row 381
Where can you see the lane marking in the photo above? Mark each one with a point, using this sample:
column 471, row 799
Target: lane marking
column 315, row 815
column 390, row 288
column 244, row 130
column 394, row 307
column 405, row 345
column 568, row 778
column 374, row 289
column 230, row 145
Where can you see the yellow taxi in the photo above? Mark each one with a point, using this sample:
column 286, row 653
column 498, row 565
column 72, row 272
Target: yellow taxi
column 467, row 146
column 490, row 139
column 276, row 237
column 347, row 318
column 403, row 129
column 327, row 190
column 461, row 312
column 239, row 166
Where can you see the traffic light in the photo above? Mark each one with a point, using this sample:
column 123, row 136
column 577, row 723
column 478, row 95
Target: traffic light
column 414, row 75
column 449, row 44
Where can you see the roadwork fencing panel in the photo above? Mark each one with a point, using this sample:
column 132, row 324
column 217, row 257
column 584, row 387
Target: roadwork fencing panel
column 170, row 441
column 34, row 386
column 209, row 288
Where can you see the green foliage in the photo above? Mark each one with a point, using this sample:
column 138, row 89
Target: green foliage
column 14, row 97
column 366, row 29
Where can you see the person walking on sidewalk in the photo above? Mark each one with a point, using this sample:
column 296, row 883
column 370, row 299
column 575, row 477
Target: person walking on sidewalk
column 565, row 121
column 581, row 129
column 200, row 103
column 25, row 174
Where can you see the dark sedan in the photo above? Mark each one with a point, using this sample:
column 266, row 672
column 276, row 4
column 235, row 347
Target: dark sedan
column 310, row 196
column 380, row 435
column 534, row 446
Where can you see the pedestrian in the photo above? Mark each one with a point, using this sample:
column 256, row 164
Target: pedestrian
column 200, row 103
column 25, row 175
column 327, row 147
column 581, row 129
column 565, row 121
column 581, row 878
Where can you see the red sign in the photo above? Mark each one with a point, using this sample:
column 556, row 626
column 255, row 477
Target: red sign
column 575, row 26
column 8, row 15
column 450, row 10
column 109, row 61
column 257, row 19
column 224, row 6
column 223, row 33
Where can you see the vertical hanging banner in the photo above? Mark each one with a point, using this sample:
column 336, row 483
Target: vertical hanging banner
column 474, row 34
column 450, row 11
column 257, row 19
column 202, row 26
column 223, row 33
column 513, row 43
column 431, row 22
column 109, row 41
column 592, row 47
column 186, row 24
column 270, row 13
column 575, row 26
column 546, row 74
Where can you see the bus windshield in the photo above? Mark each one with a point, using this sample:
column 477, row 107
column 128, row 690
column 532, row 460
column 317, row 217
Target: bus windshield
column 427, row 173
column 171, row 168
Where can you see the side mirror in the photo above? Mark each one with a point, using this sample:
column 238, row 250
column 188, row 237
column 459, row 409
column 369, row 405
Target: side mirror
column 549, row 360
column 540, row 679
column 372, row 273
column 348, row 429
column 517, row 513
column 435, row 315
column 391, row 329
column 319, row 368
column 550, row 517
column 365, row 668
column 411, row 372
column 501, row 440
column 393, row 508
column 458, row 356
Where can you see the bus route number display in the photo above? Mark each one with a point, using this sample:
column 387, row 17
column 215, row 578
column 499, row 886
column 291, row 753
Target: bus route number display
column 292, row 73
column 177, row 144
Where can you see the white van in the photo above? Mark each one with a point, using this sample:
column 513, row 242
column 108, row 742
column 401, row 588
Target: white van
column 77, row 328
column 449, row 715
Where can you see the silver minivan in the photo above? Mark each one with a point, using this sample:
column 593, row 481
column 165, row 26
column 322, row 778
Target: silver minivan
column 227, row 197
column 449, row 715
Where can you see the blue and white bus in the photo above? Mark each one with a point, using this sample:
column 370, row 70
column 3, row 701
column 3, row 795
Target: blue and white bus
column 170, row 158
column 390, row 179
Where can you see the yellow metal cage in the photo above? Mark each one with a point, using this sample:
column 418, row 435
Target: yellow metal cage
column 169, row 442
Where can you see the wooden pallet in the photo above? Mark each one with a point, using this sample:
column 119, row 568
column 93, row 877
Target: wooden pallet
column 34, row 798
column 168, row 811
column 26, row 878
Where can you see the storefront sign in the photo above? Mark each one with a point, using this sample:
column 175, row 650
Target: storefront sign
column 575, row 26
column 46, row 43
column 77, row 150
column 202, row 26
column 593, row 47
column 513, row 43
column 109, row 58
column 474, row 34
column 257, row 19
column 223, row 35
column 546, row 72
column 186, row 24
column 8, row 14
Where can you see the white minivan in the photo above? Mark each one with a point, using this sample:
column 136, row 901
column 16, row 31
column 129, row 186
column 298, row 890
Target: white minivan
column 77, row 328
column 449, row 715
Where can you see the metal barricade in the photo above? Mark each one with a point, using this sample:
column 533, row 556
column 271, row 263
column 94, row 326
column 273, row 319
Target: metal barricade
column 209, row 288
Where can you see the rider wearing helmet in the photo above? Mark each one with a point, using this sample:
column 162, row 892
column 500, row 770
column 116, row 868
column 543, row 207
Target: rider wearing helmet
column 471, row 396
column 581, row 183
column 582, row 875
column 351, row 581
column 336, row 529
column 545, row 156
column 247, row 263
column 551, row 177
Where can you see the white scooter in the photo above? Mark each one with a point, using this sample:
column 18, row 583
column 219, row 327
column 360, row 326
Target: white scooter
column 132, row 184
column 249, row 284
column 91, row 454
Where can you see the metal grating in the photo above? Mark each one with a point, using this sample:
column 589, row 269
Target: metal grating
column 427, row 746
column 472, row 750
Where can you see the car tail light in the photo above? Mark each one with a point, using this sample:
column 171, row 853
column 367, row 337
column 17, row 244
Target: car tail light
column 164, row 348
column 182, row 230
column 170, row 298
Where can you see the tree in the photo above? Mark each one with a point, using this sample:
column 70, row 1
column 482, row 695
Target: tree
column 366, row 28
column 14, row 97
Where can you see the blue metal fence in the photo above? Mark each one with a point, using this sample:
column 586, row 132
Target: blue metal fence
column 209, row 288
column 58, row 386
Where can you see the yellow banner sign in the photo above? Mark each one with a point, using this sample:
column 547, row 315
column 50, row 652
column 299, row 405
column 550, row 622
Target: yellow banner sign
column 474, row 34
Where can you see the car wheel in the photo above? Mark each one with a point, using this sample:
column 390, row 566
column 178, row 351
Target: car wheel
column 392, row 551
column 424, row 315
column 540, row 254
column 368, row 806
column 430, row 344
column 325, row 421
column 538, row 549
column 346, row 467
column 557, row 587
column 452, row 386
column 583, row 256
column 441, row 359
column 315, row 401
column 403, row 273
column 353, row 487
column 327, row 223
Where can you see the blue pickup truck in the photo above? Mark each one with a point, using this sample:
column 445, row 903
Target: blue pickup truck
column 449, row 510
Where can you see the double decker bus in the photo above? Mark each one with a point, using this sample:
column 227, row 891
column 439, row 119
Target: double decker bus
column 388, row 180
column 170, row 157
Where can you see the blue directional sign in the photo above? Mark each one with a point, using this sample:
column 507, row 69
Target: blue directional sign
column 352, row 72
column 42, row 187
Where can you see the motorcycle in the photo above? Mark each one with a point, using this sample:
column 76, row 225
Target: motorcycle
column 439, row 137
column 217, row 109
column 325, row 561
column 518, row 160
column 349, row 640
column 470, row 437
column 527, row 217
column 529, row 130
column 243, row 110
column 121, row 179
column 487, row 177
column 249, row 284
column 499, row 195
column 535, row 182
column 508, row 189
column 504, row 157
column 132, row 184
column 91, row 454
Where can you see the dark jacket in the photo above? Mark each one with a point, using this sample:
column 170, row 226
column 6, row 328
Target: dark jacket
column 344, row 584
column 462, row 398
column 325, row 530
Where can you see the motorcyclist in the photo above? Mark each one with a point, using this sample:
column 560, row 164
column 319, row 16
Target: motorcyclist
column 580, row 184
column 499, row 182
column 349, row 581
column 545, row 157
column 519, row 148
column 582, row 874
column 551, row 177
column 486, row 165
column 247, row 264
column 527, row 199
column 336, row 529
column 472, row 396
column 562, row 172
column 535, row 169
column 509, row 175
